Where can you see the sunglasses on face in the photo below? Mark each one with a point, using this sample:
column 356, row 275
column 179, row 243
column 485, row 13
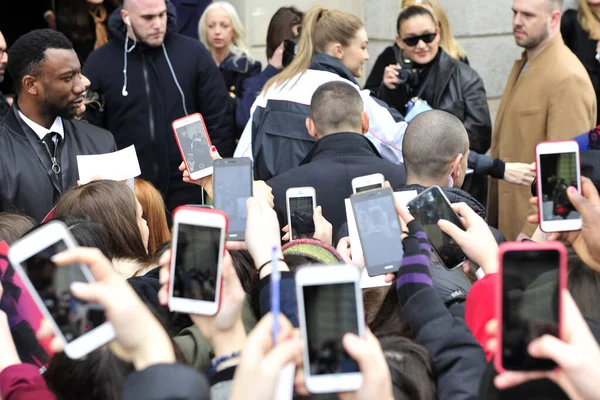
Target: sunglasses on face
column 414, row 40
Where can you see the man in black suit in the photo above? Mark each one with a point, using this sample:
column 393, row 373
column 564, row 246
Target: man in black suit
column 342, row 153
column 39, row 140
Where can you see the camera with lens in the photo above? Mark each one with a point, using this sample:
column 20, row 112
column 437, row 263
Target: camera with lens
column 290, row 49
column 407, row 73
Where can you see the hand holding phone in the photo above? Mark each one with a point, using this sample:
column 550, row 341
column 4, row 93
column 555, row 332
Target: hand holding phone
column 301, row 203
column 232, row 181
column 194, row 144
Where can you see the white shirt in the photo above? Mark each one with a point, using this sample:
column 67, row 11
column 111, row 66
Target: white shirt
column 39, row 130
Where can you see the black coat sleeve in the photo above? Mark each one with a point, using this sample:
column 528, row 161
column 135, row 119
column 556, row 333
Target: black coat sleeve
column 211, row 98
column 375, row 78
column 458, row 359
column 486, row 165
column 478, row 122
column 567, row 27
column 166, row 382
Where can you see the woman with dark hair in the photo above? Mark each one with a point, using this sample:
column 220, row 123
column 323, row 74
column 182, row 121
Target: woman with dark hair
column 84, row 23
column 114, row 206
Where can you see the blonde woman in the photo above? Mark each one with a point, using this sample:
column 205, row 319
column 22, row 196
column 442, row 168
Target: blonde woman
column 581, row 32
column 222, row 32
column 332, row 47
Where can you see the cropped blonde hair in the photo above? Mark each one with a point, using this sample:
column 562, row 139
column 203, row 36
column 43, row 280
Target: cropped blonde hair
column 447, row 41
column 320, row 28
column 239, row 47
column 589, row 21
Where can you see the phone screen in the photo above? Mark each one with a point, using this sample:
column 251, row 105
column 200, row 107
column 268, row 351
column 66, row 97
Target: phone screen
column 301, row 214
column 233, row 187
column 428, row 208
column 558, row 173
column 379, row 229
column 73, row 317
column 330, row 313
column 530, row 305
column 194, row 143
column 196, row 262
column 369, row 187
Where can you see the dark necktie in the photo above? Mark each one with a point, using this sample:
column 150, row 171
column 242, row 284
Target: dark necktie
column 51, row 147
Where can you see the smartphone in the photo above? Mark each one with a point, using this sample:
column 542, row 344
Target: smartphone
column 194, row 144
column 301, row 203
column 428, row 208
column 197, row 250
column 232, row 182
column 367, row 182
column 558, row 168
column 379, row 230
column 532, row 277
column 329, row 306
column 81, row 326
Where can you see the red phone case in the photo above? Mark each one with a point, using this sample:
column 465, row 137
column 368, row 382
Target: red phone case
column 538, row 180
column 209, row 211
column 179, row 143
column 562, row 284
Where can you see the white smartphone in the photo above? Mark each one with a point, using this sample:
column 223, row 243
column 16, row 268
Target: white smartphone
column 301, row 203
column 197, row 247
column 194, row 144
column 330, row 305
column 367, row 182
column 81, row 326
column 558, row 168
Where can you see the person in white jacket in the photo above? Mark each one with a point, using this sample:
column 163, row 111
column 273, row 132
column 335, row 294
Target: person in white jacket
column 332, row 47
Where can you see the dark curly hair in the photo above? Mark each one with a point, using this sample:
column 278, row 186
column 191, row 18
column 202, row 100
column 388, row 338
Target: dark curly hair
column 26, row 55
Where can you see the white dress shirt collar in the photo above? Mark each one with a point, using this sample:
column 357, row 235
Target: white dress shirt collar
column 39, row 130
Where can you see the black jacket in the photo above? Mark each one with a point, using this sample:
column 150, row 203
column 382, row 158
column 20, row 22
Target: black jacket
column 584, row 48
column 144, row 116
column 166, row 382
column 4, row 107
column 329, row 168
column 27, row 183
column 235, row 73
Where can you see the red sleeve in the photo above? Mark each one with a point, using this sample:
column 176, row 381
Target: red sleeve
column 481, row 308
column 23, row 382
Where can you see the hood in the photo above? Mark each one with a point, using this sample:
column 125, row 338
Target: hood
column 325, row 62
column 117, row 29
column 454, row 196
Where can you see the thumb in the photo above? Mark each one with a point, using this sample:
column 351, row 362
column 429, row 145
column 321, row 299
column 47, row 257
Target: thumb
column 579, row 202
column 283, row 353
column 451, row 230
column 554, row 349
column 90, row 292
column 357, row 348
column 214, row 153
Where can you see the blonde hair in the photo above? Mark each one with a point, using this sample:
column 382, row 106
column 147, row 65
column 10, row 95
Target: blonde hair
column 320, row 28
column 239, row 47
column 589, row 21
column 447, row 41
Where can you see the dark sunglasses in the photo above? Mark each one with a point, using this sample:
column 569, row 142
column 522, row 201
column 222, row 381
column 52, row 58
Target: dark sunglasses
column 413, row 41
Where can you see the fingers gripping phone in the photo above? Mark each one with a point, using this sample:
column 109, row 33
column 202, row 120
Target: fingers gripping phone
column 428, row 208
column 367, row 182
column 558, row 168
column 533, row 276
column 232, row 188
column 301, row 203
column 379, row 230
column 80, row 326
column 197, row 250
column 194, row 144
column 330, row 305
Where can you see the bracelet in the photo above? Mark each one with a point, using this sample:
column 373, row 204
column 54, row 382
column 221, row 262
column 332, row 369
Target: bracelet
column 267, row 263
column 215, row 363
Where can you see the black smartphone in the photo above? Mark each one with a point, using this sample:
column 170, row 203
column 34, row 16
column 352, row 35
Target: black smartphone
column 428, row 208
column 232, row 182
column 533, row 275
column 379, row 230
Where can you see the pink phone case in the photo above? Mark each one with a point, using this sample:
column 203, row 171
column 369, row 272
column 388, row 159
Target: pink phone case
column 209, row 211
column 562, row 284
column 179, row 143
column 538, row 177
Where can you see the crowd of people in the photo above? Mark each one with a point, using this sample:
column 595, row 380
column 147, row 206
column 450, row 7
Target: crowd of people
column 107, row 74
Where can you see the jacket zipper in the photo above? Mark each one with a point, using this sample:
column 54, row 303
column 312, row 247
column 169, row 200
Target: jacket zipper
column 150, row 113
column 55, row 166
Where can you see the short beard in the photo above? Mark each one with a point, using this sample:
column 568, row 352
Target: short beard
column 535, row 42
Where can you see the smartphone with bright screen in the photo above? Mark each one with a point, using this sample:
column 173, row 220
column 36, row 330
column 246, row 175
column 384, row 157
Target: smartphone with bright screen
column 379, row 230
column 194, row 145
column 558, row 173
column 196, row 262
column 232, row 188
column 72, row 316
column 428, row 208
column 301, row 215
column 330, row 313
column 530, row 305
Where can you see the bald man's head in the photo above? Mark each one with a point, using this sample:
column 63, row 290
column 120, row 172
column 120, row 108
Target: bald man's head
column 146, row 20
column 432, row 141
